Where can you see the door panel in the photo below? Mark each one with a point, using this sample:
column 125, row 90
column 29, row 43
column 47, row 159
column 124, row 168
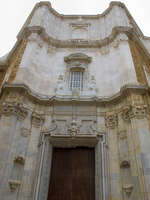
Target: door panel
column 72, row 174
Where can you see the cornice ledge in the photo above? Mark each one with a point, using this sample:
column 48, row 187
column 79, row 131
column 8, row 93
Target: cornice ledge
column 49, row 99
column 76, row 43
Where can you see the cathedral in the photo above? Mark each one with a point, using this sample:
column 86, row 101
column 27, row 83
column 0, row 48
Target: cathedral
column 75, row 108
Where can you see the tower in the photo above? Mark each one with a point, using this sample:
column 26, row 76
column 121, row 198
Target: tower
column 74, row 107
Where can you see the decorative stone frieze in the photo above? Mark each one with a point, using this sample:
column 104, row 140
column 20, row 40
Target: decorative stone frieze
column 37, row 119
column 14, row 108
column 14, row 184
column 111, row 121
column 19, row 159
column 73, row 128
column 138, row 111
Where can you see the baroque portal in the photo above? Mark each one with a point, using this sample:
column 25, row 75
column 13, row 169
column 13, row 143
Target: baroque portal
column 74, row 108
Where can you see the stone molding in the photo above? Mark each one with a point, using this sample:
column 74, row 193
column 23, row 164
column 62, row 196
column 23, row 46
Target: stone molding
column 45, row 99
column 14, row 108
column 78, row 43
column 37, row 119
column 77, row 57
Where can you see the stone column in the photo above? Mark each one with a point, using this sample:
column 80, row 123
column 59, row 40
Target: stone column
column 125, row 166
column 111, row 121
column 141, row 141
column 13, row 115
column 30, row 168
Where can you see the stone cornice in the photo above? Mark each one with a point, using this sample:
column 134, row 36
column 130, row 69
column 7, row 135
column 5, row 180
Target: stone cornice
column 45, row 99
column 77, row 43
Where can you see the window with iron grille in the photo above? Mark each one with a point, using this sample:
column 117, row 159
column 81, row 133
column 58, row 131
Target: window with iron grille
column 76, row 80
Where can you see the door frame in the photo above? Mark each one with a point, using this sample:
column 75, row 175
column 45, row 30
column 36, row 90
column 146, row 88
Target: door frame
column 48, row 142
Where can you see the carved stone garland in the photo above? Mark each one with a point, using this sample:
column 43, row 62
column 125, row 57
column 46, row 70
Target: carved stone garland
column 111, row 121
column 14, row 108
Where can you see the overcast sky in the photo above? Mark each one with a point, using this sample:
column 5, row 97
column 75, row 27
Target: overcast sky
column 13, row 14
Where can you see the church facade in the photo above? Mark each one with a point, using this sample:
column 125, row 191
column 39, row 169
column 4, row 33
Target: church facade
column 75, row 108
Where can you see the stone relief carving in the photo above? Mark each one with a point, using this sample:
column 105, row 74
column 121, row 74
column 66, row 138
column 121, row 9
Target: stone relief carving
column 127, row 113
column 138, row 111
column 73, row 128
column 111, row 121
column 14, row 184
column 37, row 119
column 14, row 108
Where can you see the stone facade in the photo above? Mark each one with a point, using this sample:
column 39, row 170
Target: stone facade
column 110, row 112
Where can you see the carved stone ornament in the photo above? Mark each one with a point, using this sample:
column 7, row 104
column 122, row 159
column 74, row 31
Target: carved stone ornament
column 37, row 119
column 73, row 128
column 14, row 184
column 127, row 113
column 136, row 111
column 128, row 189
column 62, row 128
column 111, row 121
column 139, row 111
column 19, row 159
column 14, row 108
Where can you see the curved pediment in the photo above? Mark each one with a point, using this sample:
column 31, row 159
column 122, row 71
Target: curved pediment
column 77, row 57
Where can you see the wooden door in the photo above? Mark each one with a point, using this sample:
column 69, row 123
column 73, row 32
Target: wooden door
column 72, row 174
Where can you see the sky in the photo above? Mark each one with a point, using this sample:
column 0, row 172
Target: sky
column 13, row 14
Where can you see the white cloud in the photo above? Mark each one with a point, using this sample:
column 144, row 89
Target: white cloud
column 14, row 13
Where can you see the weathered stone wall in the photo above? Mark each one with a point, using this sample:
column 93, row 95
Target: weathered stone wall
column 42, row 64
column 126, row 127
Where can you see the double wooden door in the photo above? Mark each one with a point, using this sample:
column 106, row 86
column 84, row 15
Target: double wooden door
column 72, row 174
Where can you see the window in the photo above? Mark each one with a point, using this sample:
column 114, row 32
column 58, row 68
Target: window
column 76, row 80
